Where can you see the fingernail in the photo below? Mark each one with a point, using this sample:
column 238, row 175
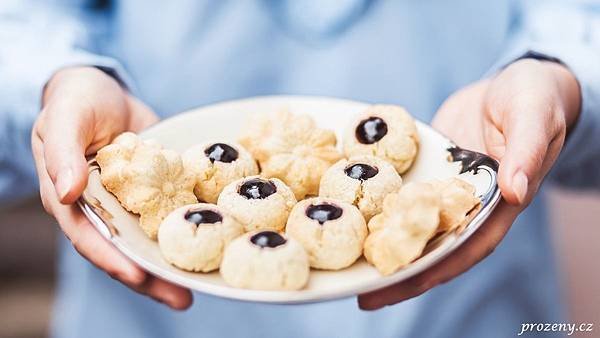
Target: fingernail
column 64, row 182
column 520, row 185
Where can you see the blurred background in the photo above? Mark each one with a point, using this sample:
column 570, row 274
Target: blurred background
column 28, row 247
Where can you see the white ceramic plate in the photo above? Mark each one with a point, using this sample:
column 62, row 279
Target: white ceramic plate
column 438, row 158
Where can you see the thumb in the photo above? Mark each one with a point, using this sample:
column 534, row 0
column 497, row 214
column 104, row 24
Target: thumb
column 65, row 135
column 527, row 139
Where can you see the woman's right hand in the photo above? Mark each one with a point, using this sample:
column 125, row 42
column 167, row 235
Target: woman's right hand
column 83, row 109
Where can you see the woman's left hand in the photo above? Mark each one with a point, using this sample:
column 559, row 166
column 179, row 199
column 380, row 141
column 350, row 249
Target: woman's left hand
column 521, row 118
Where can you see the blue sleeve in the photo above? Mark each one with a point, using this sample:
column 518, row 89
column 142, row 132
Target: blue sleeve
column 37, row 38
column 570, row 32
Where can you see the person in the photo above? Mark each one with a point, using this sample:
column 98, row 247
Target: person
column 517, row 80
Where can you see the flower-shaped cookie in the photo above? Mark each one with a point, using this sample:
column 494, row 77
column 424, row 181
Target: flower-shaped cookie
column 291, row 147
column 146, row 179
column 399, row 235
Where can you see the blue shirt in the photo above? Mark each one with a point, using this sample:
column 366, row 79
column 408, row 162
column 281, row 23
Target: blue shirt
column 182, row 54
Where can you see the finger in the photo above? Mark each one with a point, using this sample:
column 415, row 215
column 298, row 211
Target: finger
column 95, row 248
column 85, row 238
column 141, row 115
column 476, row 248
column 92, row 246
column 46, row 191
column 65, row 133
column 176, row 297
column 526, row 137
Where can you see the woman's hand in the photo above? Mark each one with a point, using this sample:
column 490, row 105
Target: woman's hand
column 83, row 109
column 521, row 118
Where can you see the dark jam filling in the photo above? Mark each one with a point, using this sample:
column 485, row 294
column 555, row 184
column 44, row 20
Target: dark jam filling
column 361, row 171
column 257, row 188
column 371, row 130
column 221, row 152
column 203, row 217
column 267, row 239
column 323, row 212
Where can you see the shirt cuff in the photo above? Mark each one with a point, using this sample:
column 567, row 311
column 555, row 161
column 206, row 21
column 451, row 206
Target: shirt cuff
column 81, row 58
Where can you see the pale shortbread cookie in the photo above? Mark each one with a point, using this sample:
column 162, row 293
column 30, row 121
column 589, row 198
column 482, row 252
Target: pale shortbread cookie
column 258, row 203
column 399, row 235
column 194, row 237
column 146, row 179
column 363, row 181
column 292, row 148
column 385, row 131
column 331, row 231
column 215, row 165
column 265, row 260
column 458, row 200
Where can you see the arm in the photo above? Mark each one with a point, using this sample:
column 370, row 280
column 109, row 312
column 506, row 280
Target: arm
column 46, row 55
column 521, row 116
column 575, row 42
column 37, row 41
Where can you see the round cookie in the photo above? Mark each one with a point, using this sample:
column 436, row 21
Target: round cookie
column 258, row 203
column 265, row 260
column 363, row 181
column 214, row 165
column 385, row 131
column 331, row 231
column 292, row 148
column 194, row 237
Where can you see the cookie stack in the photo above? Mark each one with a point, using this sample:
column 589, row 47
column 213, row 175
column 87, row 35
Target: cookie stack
column 284, row 199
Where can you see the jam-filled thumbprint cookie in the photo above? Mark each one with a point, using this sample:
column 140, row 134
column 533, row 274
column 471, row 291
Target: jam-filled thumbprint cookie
column 214, row 165
column 363, row 181
column 331, row 231
column 265, row 260
column 258, row 203
column 194, row 237
column 385, row 131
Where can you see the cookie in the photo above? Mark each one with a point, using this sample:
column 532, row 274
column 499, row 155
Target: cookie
column 194, row 237
column 331, row 231
column 265, row 260
column 215, row 165
column 146, row 179
column 457, row 201
column 385, row 131
column 292, row 148
column 363, row 181
column 258, row 203
column 400, row 233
